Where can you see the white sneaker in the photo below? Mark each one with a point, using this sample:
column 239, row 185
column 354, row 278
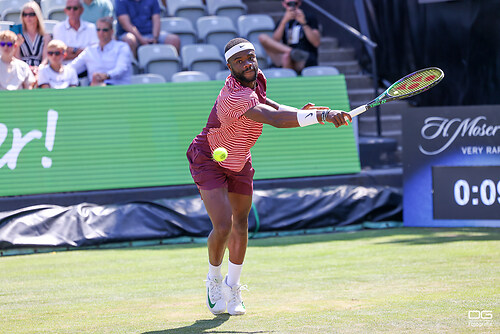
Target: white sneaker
column 235, row 305
column 216, row 302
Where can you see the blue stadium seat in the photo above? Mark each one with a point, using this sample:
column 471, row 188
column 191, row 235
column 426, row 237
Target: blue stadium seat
column 160, row 59
column 180, row 26
column 228, row 8
column 190, row 76
column 251, row 26
column 10, row 10
column 202, row 57
column 222, row 75
column 146, row 78
column 216, row 30
column 279, row 73
column 53, row 9
column 319, row 70
column 189, row 9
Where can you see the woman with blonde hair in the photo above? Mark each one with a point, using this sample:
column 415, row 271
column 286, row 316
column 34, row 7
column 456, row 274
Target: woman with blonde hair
column 33, row 40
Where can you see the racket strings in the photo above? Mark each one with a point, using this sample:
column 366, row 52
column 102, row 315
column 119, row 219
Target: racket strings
column 416, row 82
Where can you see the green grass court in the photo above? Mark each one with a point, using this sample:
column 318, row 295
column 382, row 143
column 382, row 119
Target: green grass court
column 402, row 280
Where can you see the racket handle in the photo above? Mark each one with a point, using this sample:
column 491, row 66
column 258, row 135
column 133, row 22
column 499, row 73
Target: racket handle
column 358, row 110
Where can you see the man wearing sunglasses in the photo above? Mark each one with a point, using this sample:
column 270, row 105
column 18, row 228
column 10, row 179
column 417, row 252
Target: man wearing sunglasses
column 107, row 63
column 77, row 34
column 295, row 40
column 14, row 73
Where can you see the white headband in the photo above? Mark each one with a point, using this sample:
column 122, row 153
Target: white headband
column 237, row 48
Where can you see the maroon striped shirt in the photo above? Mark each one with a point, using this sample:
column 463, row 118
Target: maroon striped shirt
column 227, row 125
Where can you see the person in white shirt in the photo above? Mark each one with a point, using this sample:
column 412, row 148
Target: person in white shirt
column 14, row 73
column 55, row 74
column 76, row 33
column 107, row 63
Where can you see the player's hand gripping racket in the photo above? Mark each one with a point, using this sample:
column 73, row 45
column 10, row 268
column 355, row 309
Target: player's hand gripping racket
column 412, row 84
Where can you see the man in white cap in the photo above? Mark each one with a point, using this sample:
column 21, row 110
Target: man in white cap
column 226, row 187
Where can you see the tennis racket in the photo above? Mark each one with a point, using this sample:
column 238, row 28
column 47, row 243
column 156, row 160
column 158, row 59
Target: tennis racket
column 411, row 85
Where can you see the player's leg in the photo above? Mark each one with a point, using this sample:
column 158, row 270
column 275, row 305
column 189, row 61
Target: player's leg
column 219, row 210
column 241, row 205
column 238, row 241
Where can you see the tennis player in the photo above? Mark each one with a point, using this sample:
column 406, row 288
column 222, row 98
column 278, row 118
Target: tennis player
column 226, row 187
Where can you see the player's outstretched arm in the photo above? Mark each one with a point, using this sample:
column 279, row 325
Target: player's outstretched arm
column 278, row 106
column 283, row 118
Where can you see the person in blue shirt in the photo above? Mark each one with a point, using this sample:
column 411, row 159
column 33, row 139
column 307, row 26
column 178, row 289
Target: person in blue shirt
column 139, row 24
column 93, row 10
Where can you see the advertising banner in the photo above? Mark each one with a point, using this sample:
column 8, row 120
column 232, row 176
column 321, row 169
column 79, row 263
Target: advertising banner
column 452, row 166
column 96, row 138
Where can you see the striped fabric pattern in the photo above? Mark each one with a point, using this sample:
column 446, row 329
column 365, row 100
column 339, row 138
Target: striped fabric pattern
column 236, row 133
column 31, row 51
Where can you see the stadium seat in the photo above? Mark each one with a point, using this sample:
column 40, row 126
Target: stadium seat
column 160, row 59
column 202, row 57
column 262, row 57
column 279, row 73
column 189, row 9
column 53, row 9
column 216, row 30
column 5, row 25
column 222, row 75
column 10, row 10
column 190, row 76
column 180, row 26
column 146, row 78
column 49, row 25
column 319, row 70
column 251, row 26
column 229, row 8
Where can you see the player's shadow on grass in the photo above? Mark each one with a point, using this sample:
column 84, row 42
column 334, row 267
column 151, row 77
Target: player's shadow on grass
column 203, row 326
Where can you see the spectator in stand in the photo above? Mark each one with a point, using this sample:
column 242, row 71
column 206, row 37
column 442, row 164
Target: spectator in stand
column 295, row 40
column 139, row 24
column 93, row 10
column 14, row 73
column 107, row 63
column 33, row 40
column 56, row 74
column 77, row 34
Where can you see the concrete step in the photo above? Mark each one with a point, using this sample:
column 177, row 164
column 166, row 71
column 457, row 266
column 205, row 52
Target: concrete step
column 263, row 6
column 391, row 125
column 335, row 54
column 358, row 81
column 328, row 43
column 360, row 94
column 389, row 108
column 345, row 67
column 368, row 123
column 395, row 107
column 394, row 135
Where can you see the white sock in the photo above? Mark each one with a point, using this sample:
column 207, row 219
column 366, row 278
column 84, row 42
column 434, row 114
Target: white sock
column 233, row 273
column 214, row 271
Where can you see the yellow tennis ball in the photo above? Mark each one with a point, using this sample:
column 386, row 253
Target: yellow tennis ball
column 220, row 154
